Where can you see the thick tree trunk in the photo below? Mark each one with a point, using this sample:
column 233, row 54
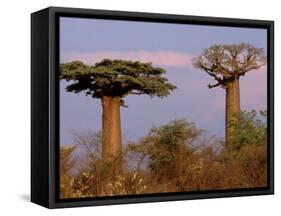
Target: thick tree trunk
column 232, row 106
column 111, row 133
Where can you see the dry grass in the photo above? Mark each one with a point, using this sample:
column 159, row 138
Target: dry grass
column 192, row 171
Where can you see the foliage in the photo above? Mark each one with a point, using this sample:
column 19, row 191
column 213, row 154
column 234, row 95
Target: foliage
column 116, row 78
column 248, row 129
column 163, row 145
column 171, row 158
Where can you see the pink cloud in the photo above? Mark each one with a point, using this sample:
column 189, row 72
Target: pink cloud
column 168, row 58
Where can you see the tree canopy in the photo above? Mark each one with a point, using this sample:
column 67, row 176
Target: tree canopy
column 116, row 78
column 164, row 143
column 226, row 62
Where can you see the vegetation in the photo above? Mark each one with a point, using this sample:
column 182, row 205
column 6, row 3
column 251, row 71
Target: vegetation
column 226, row 64
column 248, row 130
column 172, row 158
column 112, row 81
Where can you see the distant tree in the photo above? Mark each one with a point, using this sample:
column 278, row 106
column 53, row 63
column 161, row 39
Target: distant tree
column 111, row 81
column 226, row 63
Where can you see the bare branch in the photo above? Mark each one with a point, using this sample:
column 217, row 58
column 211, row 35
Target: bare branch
column 209, row 71
column 214, row 85
column 247, row 68
column 225, row 62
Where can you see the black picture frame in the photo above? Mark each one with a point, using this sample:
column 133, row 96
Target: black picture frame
column 45, row 110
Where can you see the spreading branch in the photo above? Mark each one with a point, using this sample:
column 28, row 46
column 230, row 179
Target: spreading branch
column 214, row 85
column 116, row 78
column 227, row 62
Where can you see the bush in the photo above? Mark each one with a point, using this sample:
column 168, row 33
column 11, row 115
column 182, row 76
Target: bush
column 248, row 128
column 171, row 158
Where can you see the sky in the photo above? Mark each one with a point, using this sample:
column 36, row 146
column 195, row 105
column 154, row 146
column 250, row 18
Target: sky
column 171, row 46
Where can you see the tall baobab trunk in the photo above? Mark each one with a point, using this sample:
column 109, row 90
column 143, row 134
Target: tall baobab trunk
column 111, row 133
column 232, row 105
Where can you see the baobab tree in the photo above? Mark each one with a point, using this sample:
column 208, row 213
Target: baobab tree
column 226, row 64
column 111, row 81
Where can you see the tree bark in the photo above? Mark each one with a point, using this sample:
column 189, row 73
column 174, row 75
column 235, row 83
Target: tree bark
column 111, row 134
column 232, row 106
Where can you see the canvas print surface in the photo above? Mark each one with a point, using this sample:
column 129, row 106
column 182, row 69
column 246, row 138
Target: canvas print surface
column 151, row 108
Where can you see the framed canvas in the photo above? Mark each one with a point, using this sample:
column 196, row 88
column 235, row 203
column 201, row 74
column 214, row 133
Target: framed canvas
column 138, row 107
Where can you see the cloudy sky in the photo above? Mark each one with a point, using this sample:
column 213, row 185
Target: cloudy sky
column 171, row 46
